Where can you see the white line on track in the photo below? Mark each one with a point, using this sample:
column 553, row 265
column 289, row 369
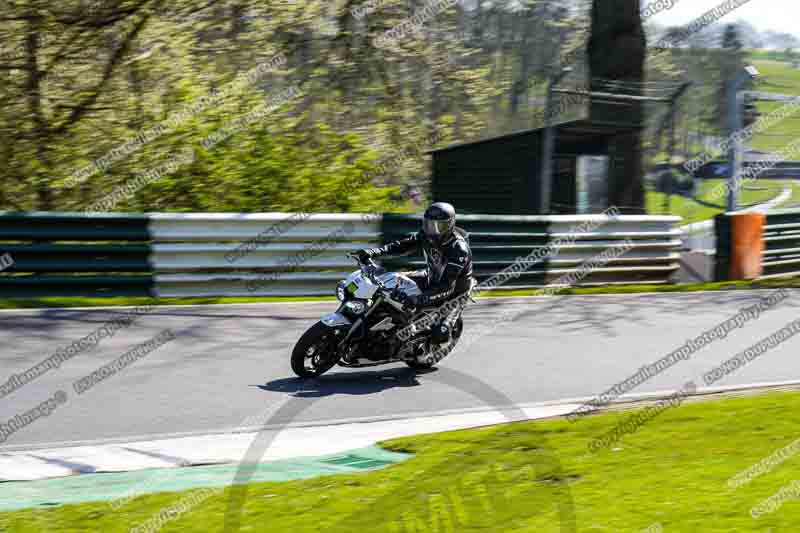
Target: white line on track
column 291, row 440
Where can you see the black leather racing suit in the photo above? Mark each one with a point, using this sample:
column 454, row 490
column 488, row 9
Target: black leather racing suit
column 449, row 265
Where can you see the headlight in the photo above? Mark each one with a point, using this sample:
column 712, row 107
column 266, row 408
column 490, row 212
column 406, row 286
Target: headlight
column 341, row 294
column 356, row 306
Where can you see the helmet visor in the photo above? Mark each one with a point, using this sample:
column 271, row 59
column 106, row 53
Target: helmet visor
column 435, row 229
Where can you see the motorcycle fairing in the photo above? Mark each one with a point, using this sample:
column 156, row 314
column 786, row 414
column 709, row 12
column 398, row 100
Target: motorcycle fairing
column 335, row 320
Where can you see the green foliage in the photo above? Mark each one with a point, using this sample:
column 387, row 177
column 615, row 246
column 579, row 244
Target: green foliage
column 106, row 71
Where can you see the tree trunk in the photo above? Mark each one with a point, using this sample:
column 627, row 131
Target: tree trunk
column 616, row 51
column 495, row 125
column 44, row 198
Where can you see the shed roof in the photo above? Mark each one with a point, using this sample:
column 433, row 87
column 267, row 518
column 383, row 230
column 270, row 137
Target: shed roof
column 575, row 131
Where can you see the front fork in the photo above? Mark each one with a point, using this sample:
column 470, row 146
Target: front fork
column 359, row 322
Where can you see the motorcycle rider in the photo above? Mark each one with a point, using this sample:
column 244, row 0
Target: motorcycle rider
column 446, row 251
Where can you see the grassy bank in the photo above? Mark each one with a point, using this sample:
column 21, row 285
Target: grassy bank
column 79, row 301
column 671, row 471
column 759, row 191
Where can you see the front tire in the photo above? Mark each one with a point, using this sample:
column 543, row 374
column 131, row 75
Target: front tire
column 315, row 351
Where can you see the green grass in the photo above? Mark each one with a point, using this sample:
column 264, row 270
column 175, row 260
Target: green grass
column 79, row 301
column 751, row 193
column 772, row 55
column 787, row 80
column 774, row 283
column 794, row 201
column 673, row 470
column 685, row 208
column 756, row 192
column 776, row 77
column 761, row 191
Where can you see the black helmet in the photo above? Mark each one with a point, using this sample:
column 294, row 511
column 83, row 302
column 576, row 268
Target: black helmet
column 438, row 222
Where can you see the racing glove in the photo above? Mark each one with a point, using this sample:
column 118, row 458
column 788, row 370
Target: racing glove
column 367, row 253
column 417, row 300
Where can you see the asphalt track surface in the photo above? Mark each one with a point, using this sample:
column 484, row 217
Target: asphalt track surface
column 230, row 362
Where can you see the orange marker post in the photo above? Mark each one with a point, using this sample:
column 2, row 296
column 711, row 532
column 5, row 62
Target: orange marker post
column 747, row 245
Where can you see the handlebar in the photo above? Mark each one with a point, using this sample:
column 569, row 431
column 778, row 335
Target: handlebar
column 359, row 262
column 368, row 268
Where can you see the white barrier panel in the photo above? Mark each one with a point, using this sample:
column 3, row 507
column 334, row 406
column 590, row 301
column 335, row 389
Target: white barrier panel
column 287, row 284
column 272, row 227
column 284, row 254
column 202, row 256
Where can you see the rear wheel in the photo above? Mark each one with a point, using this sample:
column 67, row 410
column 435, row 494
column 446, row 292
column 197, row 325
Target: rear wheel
column 421, row 363
column 315, row 352
column 429, row 360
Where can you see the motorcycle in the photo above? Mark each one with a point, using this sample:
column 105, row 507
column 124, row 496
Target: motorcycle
column 373, row 327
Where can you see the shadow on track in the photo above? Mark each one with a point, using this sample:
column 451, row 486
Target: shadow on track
column 605, row 314
column 353, row 383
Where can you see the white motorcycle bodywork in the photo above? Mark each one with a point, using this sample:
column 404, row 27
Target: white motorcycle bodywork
column 366, row 289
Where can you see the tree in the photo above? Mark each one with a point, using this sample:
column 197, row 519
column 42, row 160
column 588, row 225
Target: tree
column 791, row 57
column 731, row 63
column 749, row 36
column 81, row 82
column 616, row 51
column 750, row 114
column 55, row 84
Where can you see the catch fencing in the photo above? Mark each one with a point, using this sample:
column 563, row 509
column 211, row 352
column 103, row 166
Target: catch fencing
column 284, row 254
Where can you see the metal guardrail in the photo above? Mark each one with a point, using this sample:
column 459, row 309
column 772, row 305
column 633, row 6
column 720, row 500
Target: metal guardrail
column 196, row 254
column 228, row 227
column 498, row 240
column 304, row 256
column 780, row 237
column 75, row 254
column 781, row 255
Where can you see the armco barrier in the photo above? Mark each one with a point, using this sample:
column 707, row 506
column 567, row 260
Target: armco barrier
column 781, row 255
column 74, row 254
column 779, row 246
column 300, row 256
column 498, row 240
column 163, row 254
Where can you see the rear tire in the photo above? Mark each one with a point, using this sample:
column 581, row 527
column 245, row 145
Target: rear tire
column 314, row 354
column 417, row 364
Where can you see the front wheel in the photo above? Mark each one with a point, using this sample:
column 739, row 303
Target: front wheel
column 315, row 352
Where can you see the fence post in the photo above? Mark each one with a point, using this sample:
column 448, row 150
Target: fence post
column 740, row 244
column 722, row 259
